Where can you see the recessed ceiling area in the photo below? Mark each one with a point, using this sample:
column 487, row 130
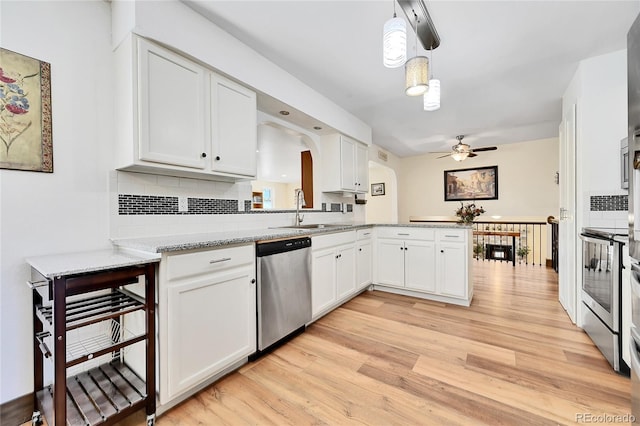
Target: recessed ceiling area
column 503, row 65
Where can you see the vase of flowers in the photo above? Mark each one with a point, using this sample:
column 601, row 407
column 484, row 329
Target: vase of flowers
column 467, row 213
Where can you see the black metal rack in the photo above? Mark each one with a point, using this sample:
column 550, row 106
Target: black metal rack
column 107, row 392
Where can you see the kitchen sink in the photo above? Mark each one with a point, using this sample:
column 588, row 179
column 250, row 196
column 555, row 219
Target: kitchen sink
column 314, row 226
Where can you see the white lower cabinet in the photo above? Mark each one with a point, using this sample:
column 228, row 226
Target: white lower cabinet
column 430, row 263
column 333, row 270
column 364, row 258
column 207, row 316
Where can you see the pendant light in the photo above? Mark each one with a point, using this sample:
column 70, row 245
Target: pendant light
column 394, row 41
column 416, row 72
column 432, row 97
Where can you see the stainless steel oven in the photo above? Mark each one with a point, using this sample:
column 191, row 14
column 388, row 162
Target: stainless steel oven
column 601, row 291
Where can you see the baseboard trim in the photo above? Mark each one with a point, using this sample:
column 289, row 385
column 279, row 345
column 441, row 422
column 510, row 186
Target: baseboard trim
column 17, row 411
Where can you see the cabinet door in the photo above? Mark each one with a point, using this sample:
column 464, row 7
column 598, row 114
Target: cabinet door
column 171, row 108
column 323, row 282
column 364, row 264
column 391, row 262
column 347, row 163
column 211, row 325
column 452, row 269
column 420, row 265
column 362, row 168
column 233, row 127
column 345, row 271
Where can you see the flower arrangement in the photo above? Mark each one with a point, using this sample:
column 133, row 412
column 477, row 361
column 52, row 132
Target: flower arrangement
column 467, row 213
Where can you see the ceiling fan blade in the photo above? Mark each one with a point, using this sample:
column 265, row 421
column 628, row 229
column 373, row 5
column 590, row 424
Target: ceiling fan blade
column 486, row 148
column 444, row 156
column 471, row 154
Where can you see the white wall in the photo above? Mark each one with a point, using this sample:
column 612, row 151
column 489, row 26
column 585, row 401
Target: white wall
column 602, row 123
column 382, row 208
column 526, row 187
column 67, row 210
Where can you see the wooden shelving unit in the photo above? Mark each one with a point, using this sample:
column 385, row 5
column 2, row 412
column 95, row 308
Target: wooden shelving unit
column 93, row 305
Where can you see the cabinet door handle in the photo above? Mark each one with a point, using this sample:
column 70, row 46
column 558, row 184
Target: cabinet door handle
column 359, row 249
column 441, row 251
column 217, row 158
column 452, row 236
column 224, row 259
column 203, row 155
column 253, row 281
column 406, row 248
column 402, row 234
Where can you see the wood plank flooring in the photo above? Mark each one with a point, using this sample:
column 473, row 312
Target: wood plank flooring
column 512, row 358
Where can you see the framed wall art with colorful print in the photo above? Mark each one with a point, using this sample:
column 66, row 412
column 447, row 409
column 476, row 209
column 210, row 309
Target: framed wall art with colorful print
column 25, row 113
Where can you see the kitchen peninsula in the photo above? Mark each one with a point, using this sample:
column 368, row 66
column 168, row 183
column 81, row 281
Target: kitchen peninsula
column 207, row 294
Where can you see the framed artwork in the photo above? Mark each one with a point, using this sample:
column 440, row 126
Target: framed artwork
column 480, row 183
column 377, row 189
column 25, row 113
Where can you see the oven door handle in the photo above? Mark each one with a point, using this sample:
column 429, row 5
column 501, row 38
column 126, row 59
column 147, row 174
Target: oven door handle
column 596, row 240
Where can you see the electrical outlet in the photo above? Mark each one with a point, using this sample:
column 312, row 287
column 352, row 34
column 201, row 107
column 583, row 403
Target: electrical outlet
column 183, row 204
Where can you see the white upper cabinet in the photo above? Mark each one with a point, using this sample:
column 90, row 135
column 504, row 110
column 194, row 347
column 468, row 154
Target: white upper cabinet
column 178, row 118
column 345, row 162
column 233, row 127
column 362, row 168
column 171, row 107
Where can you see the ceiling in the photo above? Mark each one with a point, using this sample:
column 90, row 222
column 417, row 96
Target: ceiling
column 503, row 65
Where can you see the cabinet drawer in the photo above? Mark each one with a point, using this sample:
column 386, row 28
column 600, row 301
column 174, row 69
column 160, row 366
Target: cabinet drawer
column 408, row 233
column 332, row 240
column 364, row 234
column 207, row 261
column 452, row 235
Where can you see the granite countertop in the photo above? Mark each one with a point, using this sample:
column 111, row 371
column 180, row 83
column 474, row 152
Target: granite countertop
column 66, row 264
column 171, row 243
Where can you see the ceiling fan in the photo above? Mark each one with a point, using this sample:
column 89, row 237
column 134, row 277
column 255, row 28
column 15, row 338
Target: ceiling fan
column 460, row 151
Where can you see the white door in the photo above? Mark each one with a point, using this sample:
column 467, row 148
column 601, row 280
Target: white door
column 567, row 239
column 362, row 168
column 323, row 282
column 364, row 265
column 211, row 324
column 171, row 108
column 391, row 262
column 419, row 265
column 345, row 271
column 233, row 127
column 347, row 163
column 452, row 269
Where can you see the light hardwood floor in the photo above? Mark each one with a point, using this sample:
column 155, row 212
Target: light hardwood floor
column 512, row 358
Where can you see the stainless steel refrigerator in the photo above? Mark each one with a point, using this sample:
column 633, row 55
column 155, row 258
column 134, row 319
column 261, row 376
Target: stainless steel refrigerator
column 633, row 75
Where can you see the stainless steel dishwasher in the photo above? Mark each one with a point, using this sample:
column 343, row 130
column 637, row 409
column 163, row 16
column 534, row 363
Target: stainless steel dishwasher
column 284, row 289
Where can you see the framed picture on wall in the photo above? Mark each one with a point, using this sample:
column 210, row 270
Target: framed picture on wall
column 377, row 189
column 25, row 113
column 480, row 183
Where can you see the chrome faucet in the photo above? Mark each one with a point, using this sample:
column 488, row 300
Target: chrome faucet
column 299, row 202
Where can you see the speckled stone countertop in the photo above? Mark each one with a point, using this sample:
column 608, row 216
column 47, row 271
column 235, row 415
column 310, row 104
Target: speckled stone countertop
column 171, row 243
column 90, row 261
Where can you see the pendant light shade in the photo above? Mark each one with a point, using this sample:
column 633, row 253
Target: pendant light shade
column 416, row 76
column 432, row 97
column 394, row 42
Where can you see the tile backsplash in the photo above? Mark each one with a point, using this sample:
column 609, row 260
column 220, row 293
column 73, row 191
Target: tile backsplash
column 147, row 205
column 606, row 210
column 609, row 202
